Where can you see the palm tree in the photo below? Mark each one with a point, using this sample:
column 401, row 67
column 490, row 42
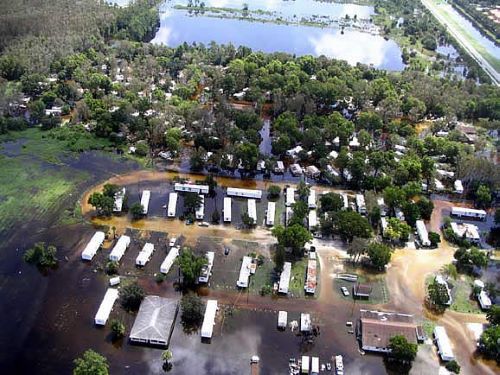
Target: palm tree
column 167, row 356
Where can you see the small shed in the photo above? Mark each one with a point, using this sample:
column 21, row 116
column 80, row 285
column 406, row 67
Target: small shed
column 282, row 319
column 362, row 290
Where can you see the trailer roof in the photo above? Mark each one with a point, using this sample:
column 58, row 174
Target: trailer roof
column 102, row 315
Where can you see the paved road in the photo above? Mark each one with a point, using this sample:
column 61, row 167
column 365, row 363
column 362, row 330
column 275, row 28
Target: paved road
column 457, row 34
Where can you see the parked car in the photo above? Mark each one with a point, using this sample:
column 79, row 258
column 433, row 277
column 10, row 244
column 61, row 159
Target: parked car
column 226, row 250
column 344, row 290
column 172, row 242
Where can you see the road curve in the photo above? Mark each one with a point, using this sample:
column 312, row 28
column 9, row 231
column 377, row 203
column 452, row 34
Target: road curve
column 469, row 48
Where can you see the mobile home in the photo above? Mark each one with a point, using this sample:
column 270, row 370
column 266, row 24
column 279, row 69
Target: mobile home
column 172, row 205
column 247, row 268
column 288, row 214
column 422, row 233
column 313, row 219
column 200, row 211
column 314, row 365
column 345, row 200
column 310, row 284
column 282, row 319
column 290, row 196
column 252, row 210
column 443, row 344
column 145, row 254
column 244, row 193
column 227, row 210
column 285, row 278
column 271, row 210
column 206, row 270
column 146, row 195
column 119, row 197
column 311, row 199
column 93, row 245
column 102, row 315
column 191, row 188
column 209, row 319
column 120, row 248
column 360, row 204
column 468, row 213
column 169, row 260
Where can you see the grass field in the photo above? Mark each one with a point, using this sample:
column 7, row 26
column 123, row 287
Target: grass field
column 461, row 291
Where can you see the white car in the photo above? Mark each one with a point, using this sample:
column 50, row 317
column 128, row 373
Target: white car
column 344, row 290
column 172, row 242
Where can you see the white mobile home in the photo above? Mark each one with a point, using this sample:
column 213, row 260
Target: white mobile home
column 120, row 248
column 345, row 200
column 145, row 254
column 288, row 214
column 191, row 188
column 313, row 219
column 114, row 281
column 459, row 188
column 282, row 319
column 296, row 170
column 314, row 365
column 247, row 268
column 285, row 278
column 443, row 344
column 484, row 300
column 206, row 270
column 382, row 206
column 271, row 211
column 466, row 230
column 106, row 306
column 310, row 284
column 280, row 167
column 227, row 210
column 289, row 196
column 468, row 213
column 305, row 365
column 93, row 245
column 244, row 193
column 146, row 195
column 169, row 260
column 311, row 199
column 360, row 204
column 172, row 205
column 422, row 233
column 209, row 319
column 383, row 225
column 305, row 323
column 119, row 197
column 252, row 210
column 200, row 211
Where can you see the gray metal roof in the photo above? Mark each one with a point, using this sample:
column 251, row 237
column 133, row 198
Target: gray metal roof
column 155, row 319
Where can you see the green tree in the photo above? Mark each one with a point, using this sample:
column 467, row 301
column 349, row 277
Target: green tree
column 401, row 350
column 411, row 212
column 216, row 217
column 350, row 224
column 483, row 196
column 331, row 202
column 192, row 202
column 397, row 230
column 41, row 255
column 91, row 363
column 190, row 265
column 118, row 328
column 247, row 220
column 467, row 259
column 192, row 308
column 357, row 247
column 303, row 190
column 434, row 238
column 437, row 296
column 273, row 192
column 425, row 206
column 453, row 366
column 293, row 237
column 493, row 315
column 131, row 296
column 102, row 203
column 379, row 254
column 279, row 258
column 488, row 343
column 394, row 196
column 137, row 211
column 111, row 267
column 212, row 185
column 300, row 212
column 248, row 153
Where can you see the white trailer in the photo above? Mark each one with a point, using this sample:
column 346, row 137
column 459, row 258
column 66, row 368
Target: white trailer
column 247, row 268
column 102, row 315
column 345, row 201
column 93, row 245
column 443, row 344
column 459, row 187
column 227, row 210
column 172, row 205
column 191, row 188
column 252, row 210
column 290, row 196
column 207, row 327
column 305, row 365
column 282, row 319
column 121, row 246
column 169, row 260
column 244, row 193
column 313, row 219
column 305, row 323
column 382, row 206
column 360, row 204
column 271, row 211
column 146, row 195
column 314, row 365
column 119, row 197
column 468, row 213
column 285, row 278
column 145, row 254
column 311, row 199
column 288, row 214
column 200, row 211
column 310, row 284
column 422, row 233
column 206, row 270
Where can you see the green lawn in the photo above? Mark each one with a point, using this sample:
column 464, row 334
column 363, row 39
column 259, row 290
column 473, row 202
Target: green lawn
column 461, row 291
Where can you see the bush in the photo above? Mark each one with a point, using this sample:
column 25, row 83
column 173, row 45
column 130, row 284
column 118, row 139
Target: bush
column 159, row 277
column 266, row 290
column 41, row 256
column 434, row 238
column 131, row 297
column 91, row 363
column 118, row 328
column 453, row 366
column 192, row 309
column 112, row 267
column 273, row 192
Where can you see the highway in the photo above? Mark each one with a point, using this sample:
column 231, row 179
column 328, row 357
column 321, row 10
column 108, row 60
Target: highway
column 458, row 35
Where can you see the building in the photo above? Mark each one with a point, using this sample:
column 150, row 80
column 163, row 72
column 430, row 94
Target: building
column 312, row 171
column 311, row 199
column 467, row 231
column 270, row 213
column 361, row 290
column 484, row 300
column 438, row 185
column 279, row 168
column 443, row 344
column 422, row 233
column 102, row 315
column 305, row 323
column 252, row 210
column 288, row 214
column 172, row 205
column 314, row 365
column 285, row 278
column 227, row 210
column 382, row 206
column 459, row 188
column 155, row 321
column 207, row 327
column 289, row 196
column 282, row 319
column 145, row 254
column 244, row 193
column 206, row 270
column 304, row 369
column 169, row 260
column 121, row 246
column 191, row 188
column 296, row 170
column 345, row 201
column 377, row 328
column 310, row 284
column 248, row 268
column 360, row 204
column 94, row 244
column 468, row 213
column 313, row 220
column 293, row 152
column 119, row 196
column 146, row 195
column 200, row 211
column 440, row 280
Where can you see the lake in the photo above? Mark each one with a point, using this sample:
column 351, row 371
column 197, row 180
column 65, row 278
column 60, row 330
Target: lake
column 178, row 26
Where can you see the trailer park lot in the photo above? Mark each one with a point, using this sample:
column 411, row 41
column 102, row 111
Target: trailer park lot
column 401, row 289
